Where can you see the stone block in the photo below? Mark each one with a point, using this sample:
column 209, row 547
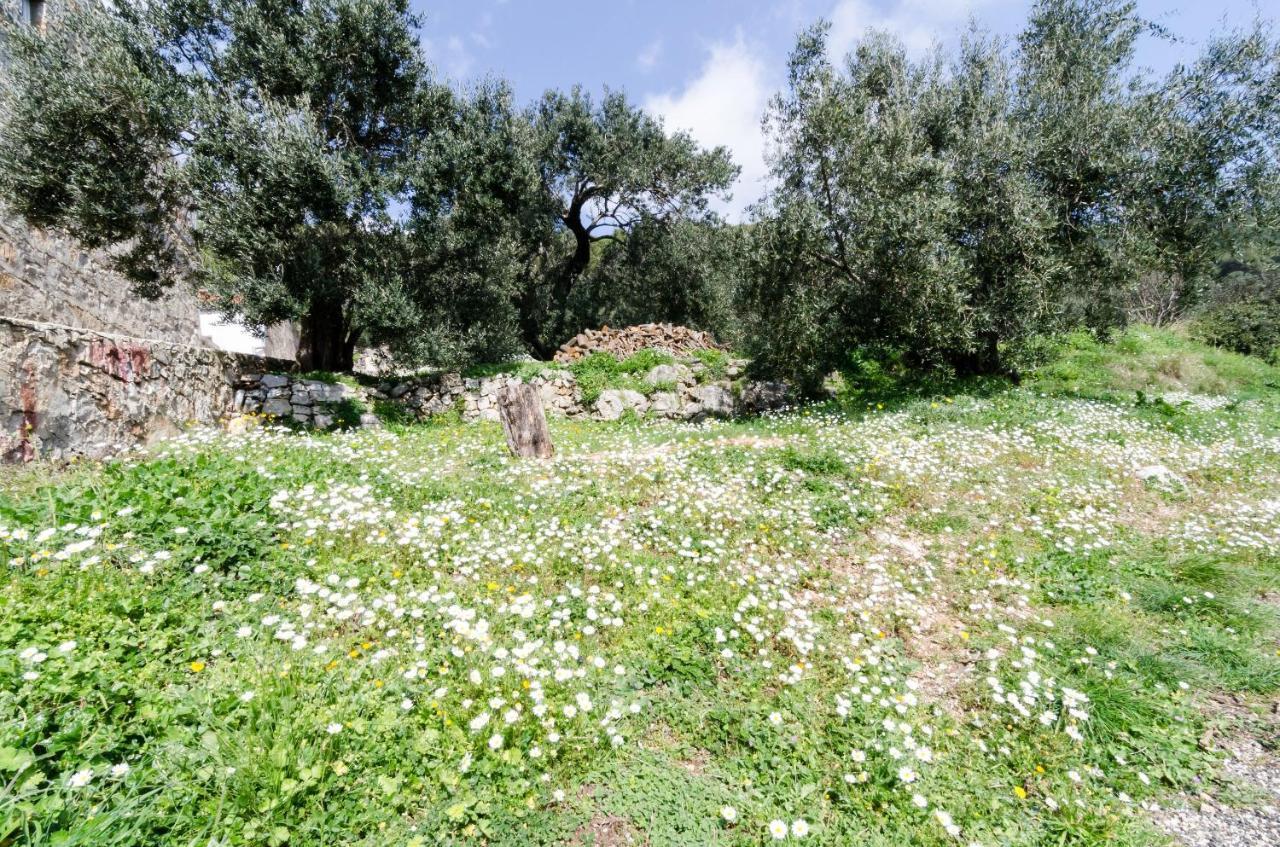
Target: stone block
column 665, row 404
column 714, row 399
column 674, row 374
column 612, row 403
column 762, row 396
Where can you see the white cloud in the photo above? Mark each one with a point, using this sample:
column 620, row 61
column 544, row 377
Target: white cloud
column 918, row 23
column 452, row 56
column 723, row 105
column 649, row 56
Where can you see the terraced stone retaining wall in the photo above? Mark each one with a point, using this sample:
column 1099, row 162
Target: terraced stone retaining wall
column 674, row 392
column 67, row 392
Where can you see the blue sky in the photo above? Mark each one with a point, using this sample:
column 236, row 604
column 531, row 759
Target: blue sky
column 709, row 66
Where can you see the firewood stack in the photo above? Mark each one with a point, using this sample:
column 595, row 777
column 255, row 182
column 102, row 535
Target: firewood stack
column 669, row 338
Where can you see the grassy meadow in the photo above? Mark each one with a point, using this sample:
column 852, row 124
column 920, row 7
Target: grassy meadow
column 999, row 616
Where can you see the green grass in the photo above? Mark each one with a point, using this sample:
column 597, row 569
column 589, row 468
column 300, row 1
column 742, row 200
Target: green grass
column 1147, row 359
column 525, row 371
column 332, row 378
column 294, row 638
column 716, row 363
column 603, row 371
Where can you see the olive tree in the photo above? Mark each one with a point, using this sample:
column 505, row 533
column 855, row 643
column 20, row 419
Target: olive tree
column 959, row 212
column 604, row 169
column 256, row 146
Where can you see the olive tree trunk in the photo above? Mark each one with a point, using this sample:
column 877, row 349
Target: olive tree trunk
column 524, row 423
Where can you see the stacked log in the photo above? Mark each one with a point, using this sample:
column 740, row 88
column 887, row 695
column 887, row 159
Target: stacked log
column 669, row 338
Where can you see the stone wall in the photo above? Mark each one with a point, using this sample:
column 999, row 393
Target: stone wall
column 74, row 392
column 67, row 392
column 53, row 279
column 674, row 392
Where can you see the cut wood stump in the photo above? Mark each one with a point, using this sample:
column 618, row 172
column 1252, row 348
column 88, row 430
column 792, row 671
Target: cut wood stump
column 524, row 423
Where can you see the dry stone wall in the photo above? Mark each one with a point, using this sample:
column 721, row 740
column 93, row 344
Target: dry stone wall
column 68, row 392
column 52, row 279
column 681, row 396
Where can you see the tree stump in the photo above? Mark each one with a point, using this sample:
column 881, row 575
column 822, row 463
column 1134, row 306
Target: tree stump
column 523, row 422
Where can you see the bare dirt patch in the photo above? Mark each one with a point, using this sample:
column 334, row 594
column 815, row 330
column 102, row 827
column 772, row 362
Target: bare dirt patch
column 1246, row 737
column 753, row 441
column 946, row 664
column 607, row 831
column 696, row 762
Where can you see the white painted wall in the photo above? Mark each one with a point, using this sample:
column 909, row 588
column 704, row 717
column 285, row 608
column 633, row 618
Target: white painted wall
column 231, row 336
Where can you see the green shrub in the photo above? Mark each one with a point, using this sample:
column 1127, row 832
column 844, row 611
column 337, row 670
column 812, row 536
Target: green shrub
column 594, row 374
column 346, row 413
column 602, row 371
column 525, row 371
column 393, row 413
column 715, row 361
column 644, row 361
column 1251, row 328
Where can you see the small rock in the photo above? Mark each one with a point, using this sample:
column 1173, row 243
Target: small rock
column 1156, row 472
column 714, row 400
column 613, row 402
column 672, row 374
column 762, row 396
column 665, row 404
column 240, row 424
column 278, row 406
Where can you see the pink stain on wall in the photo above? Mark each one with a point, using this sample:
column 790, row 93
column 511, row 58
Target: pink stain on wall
column 125, row 362
column 25, row 451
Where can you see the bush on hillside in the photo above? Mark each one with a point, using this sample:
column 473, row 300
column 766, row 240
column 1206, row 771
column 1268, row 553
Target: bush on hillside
column 1251, row 328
